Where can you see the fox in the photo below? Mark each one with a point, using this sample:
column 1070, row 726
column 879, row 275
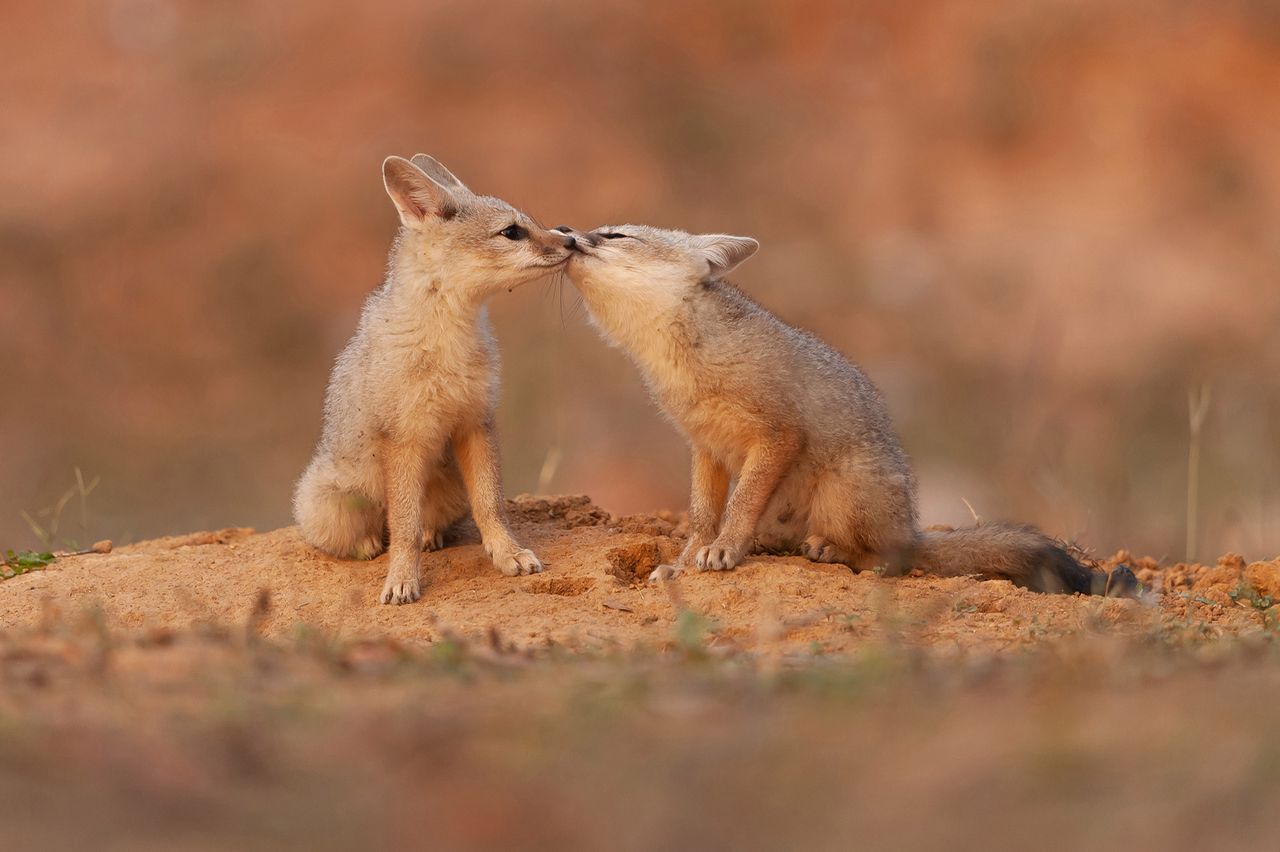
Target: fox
column 408, row 443
column 793, row 449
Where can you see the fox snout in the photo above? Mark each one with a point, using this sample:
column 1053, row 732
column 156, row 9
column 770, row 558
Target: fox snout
column 552, row 247
column 574, row 239
column 567, row 238
column 556, row 238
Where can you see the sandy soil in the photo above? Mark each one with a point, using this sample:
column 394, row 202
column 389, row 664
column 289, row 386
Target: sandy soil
column 593, row 595
column 236, row 690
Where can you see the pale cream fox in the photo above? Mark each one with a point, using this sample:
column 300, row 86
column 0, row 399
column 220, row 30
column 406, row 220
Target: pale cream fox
column 793, row 448
column 408, row 440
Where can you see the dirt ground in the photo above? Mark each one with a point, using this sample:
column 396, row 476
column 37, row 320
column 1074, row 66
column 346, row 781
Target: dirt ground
column 236, row 690
column 593, row 595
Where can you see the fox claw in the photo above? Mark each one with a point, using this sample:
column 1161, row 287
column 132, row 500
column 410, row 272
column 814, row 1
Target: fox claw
column 717, row 557
column 401, row 591
column 518, row 563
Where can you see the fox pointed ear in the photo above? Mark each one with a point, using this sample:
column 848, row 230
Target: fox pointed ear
column 417, row 197
column 725, row 252
column 437, row 172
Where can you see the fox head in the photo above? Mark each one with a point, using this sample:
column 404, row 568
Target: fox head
column 631, row 276
column 640, row 263
column 472, row 244
column 633, row 257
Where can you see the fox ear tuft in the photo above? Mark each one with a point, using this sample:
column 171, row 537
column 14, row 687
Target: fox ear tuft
column 724, row 252
column 437, row 172
column 416, row 195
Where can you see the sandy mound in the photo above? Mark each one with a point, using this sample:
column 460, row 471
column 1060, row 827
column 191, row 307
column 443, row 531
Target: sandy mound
column 593, row 595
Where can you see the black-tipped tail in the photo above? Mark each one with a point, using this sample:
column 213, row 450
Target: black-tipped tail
column 1022, row 555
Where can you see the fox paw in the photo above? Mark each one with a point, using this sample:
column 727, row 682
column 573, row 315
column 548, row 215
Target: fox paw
column 664, row 572
column 519, row 562
column 818, row 549
column 369, row 547
column 432, row 541
column 717, row 557
column 401, row 591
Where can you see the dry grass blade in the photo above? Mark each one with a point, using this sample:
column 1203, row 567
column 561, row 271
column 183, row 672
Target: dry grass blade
column 1197, row 411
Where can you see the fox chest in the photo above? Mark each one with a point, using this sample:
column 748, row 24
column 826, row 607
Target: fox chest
column 720, row 426
column 436, row 394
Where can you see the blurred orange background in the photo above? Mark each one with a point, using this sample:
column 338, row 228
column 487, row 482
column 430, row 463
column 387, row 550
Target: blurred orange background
column 1036, row 224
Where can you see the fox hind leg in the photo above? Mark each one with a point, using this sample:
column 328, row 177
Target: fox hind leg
column 341, row 522
column 785, row 521
column 860, row 519
column 817, row 548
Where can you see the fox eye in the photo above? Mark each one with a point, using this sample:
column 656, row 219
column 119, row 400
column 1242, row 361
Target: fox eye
column 613, row 236
column 513, row 232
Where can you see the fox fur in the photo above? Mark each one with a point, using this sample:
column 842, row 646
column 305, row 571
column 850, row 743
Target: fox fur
column 408, row 443
column 793, row 447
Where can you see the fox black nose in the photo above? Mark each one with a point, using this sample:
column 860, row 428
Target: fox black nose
column 570, row 243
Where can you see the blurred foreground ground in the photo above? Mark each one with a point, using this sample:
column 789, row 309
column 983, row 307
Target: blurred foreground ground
column 198, row 740
column 234, row 690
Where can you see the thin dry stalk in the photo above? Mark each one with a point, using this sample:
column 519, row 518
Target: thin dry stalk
column 1197, row 410
column 547, row 472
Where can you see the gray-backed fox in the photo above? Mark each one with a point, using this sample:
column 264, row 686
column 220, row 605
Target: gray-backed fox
column 793, row 448
column 408, row 435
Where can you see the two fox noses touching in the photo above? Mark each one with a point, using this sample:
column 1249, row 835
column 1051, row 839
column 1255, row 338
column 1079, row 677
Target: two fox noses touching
column 572, row 237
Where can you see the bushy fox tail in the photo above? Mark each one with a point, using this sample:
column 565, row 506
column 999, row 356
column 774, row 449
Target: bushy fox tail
column 1020, row 554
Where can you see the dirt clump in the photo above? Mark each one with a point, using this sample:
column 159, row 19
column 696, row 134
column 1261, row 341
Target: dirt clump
column 1232, row 592
column 566, row 513
column 633, row 562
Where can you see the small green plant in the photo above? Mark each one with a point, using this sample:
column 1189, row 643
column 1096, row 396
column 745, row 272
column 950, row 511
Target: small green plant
column 1250, row 595
column 692, row 631
column 1265, row 604
column 449, row 654
column 23, row 561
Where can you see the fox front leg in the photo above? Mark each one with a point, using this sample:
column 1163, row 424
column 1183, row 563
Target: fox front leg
column 402, row 466
column 476, row 448
column 765, row 466
column 710, row 488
